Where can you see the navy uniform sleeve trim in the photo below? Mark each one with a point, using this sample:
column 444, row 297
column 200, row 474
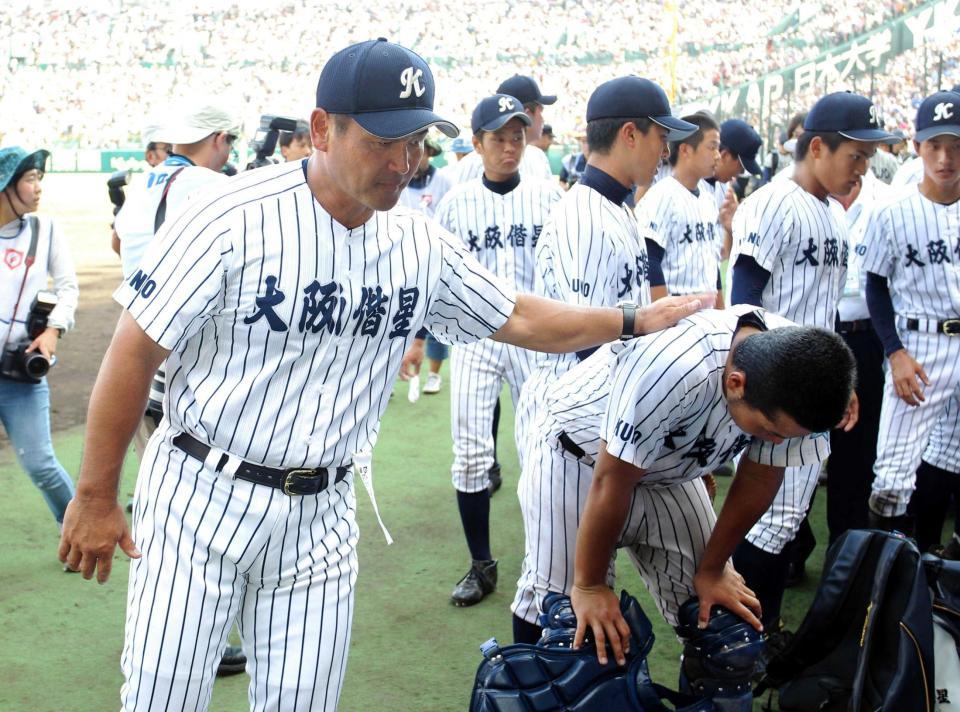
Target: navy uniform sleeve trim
column 881, row 312
column 655, row 254
column 749, row 281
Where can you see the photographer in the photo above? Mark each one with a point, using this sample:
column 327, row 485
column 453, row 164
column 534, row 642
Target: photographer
column 154, row 154
column 33, row 252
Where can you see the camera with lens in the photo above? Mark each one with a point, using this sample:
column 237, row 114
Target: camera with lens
column 16, row 363
column 264, row 141
column 115, row 185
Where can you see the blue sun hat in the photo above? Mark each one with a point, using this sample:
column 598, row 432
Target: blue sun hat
column 15, row 161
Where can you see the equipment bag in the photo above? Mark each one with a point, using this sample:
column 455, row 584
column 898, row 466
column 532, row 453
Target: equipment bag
column 867, row 641
column 552, row 676
column 943, row 578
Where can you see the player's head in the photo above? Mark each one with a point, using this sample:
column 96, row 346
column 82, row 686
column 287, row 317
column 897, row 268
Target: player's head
column 528, row 92
column 431, row 149
column 739, row 145
column 295, row 145
column 499, row 135
column 203, row 129
column 629, row 125
column 789, row 382
column 840, row 135
column 937, row 139
column 374, row 106
column 698, row 152
column 546, row 138
column 20, row 176
column 461, row 147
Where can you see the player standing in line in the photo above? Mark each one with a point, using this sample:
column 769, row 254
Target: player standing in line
column 790, row 256
column 283, row 304
column 913, row 292
column 499, row 217
column 850, row 467
column 534, row 164
column 614, row 461
column 683, row 234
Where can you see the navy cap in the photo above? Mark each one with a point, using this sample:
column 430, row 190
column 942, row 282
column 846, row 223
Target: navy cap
column 494, row 111
column 526, row 90
column 850, row 115
column 938, row 114
column 636, row 98
column 738, row 137
column 384, row 87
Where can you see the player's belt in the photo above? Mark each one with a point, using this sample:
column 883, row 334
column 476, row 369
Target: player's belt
column 293, row 481
column 854, row 327
column 950, row 327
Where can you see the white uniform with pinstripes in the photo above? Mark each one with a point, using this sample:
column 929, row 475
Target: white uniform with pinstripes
column 668, row 416
column 798, row 239
column 501, row 231
column 286, row 331
column 685, row 225
column 915, row 244
column 591, row 253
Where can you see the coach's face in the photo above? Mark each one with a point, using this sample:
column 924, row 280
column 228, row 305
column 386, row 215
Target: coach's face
column 363, row 168
column 840, row 171
column 501, row 150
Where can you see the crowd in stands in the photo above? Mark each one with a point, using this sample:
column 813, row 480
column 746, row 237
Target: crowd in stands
column 88, row 74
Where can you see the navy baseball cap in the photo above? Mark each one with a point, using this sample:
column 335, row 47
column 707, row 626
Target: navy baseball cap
column 494, row 111
column 526, row 90
column 850, row 115
column 384, row 87
column 636, row 98
column 738, row 137
column 938, row 114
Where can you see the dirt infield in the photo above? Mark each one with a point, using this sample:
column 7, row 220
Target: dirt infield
column 79, row 205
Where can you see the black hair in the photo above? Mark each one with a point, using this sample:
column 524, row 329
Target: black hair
column 795, row 121
column 831, row 140
column 602, row 133
column 807, row 373
column 301, row 134
column 704, row 122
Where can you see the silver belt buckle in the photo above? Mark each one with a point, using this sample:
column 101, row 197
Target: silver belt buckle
column 950, row 327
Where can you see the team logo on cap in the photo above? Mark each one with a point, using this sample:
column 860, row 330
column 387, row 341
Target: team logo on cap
column 943, row 110
column 874, row 116
column 505, row 104
column 410, row 78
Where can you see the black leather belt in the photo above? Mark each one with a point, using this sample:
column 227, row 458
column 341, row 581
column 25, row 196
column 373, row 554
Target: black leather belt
column 950, row 327
column 292, row 482
column 853, row 327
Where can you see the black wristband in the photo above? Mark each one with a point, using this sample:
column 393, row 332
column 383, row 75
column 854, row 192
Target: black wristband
column 629, row 320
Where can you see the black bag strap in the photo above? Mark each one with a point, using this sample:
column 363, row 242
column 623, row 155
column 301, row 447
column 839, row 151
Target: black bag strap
column 162, row 207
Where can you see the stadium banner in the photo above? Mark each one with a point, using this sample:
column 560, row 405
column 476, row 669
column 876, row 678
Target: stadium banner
column 929, row 24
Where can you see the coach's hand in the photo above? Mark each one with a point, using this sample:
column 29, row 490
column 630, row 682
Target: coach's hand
column 412, row 360
column 907, row 376
column 728, row 589
column 667, row 311
column 598, row 608
column 92, row 528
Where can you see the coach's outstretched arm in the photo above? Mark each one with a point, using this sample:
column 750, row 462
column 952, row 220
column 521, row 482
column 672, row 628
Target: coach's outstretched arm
column 94, row 522
column 548, row 325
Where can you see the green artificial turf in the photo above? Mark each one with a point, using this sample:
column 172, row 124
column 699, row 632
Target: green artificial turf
column 411, row 650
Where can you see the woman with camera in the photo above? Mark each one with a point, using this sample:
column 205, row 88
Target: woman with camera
column 32, row 319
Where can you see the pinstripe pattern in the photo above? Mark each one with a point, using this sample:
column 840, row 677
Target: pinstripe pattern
column 286, row 331
column 943, row 448
column 798, row 240
column 658, row 403
column 502, row 232
column 915, row 244
column 686, row 226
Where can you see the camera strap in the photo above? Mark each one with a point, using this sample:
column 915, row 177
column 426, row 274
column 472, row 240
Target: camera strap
column 28, row 262
column 162, row 208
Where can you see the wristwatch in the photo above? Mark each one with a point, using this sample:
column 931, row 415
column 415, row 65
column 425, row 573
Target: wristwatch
column 629, row 310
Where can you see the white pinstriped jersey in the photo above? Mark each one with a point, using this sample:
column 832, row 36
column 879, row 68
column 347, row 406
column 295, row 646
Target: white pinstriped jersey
column 501, row 231
column 425, row 194
column 285, row 328
column 590, row 253
column 715, row 189
column 533, row 164
column 797, row 238
column 915, row 244
column 910, row 173
column 685, row 225
column 668, row 414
